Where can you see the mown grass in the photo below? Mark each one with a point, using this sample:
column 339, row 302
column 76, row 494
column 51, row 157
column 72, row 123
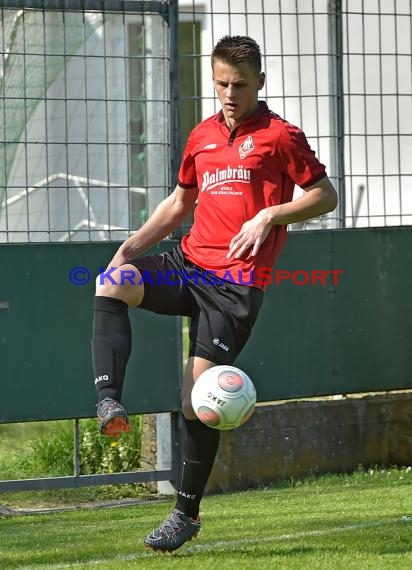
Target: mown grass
column 357, row 522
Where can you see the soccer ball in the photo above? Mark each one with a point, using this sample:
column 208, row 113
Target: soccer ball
column 223, row 397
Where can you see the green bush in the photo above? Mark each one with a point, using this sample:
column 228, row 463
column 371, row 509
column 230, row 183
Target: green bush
column 52, row 453
column 100, row 454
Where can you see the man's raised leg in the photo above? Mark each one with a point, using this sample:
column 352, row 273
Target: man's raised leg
column 111, row 344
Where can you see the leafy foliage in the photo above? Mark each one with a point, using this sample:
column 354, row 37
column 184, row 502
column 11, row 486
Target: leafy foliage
column 52, row 453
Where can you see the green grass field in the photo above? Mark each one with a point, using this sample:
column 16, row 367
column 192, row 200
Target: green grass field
column 357, row 522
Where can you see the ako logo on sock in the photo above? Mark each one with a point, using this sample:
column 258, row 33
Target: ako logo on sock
column 186, row 495
column 101, row 379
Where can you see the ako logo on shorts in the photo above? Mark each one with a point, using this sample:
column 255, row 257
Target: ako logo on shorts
column 246, row 147
column 220, row 344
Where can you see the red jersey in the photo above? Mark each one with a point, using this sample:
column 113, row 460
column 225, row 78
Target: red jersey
column 238, row 174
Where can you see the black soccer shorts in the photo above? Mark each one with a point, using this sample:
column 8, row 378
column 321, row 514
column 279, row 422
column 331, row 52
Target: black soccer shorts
column 221, row 313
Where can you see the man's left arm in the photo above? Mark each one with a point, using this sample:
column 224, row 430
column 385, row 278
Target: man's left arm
column 319, row 199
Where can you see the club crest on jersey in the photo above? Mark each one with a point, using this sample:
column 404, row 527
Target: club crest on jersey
column 246, row 147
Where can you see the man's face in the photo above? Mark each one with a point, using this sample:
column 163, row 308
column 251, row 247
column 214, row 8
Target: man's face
column 237, row 87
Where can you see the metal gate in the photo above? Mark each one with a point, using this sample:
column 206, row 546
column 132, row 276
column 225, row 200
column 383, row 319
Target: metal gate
column 88, row 125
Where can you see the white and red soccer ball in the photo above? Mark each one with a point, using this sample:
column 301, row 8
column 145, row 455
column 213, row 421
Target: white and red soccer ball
column 223, row 397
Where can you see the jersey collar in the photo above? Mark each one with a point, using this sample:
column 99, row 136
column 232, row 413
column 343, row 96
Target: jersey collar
column 261, row 110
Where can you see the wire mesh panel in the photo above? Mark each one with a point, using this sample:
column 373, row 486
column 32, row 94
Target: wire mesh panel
column 378, row 112
column 84, row 119
column 86, row 108
column 295, row 43
column 341, row 70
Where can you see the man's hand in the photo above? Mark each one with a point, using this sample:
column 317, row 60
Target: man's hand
column 119, row 258
column 318, row 199
column 252, row 234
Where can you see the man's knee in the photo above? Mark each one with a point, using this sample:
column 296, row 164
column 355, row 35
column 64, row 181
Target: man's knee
column 123, row 283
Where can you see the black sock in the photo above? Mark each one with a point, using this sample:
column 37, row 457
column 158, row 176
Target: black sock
column 111, row 346
column 199, row 452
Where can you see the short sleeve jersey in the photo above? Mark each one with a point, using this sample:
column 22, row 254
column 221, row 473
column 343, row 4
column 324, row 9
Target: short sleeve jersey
column 238, row 174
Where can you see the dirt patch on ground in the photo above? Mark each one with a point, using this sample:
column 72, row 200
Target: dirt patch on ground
column 45, row 509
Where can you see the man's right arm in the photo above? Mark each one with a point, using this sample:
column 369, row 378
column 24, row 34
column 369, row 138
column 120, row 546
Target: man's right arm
column 166, row 217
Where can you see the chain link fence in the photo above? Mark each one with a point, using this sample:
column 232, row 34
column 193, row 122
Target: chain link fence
column 97, row 99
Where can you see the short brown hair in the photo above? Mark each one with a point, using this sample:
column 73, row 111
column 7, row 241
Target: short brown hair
column 237, row 49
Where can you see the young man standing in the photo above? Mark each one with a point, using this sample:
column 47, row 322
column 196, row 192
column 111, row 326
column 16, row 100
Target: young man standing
column 241, row 166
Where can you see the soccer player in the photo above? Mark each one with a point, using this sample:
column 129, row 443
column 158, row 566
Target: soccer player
column 239, row 168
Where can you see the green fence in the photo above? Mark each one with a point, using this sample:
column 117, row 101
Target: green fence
column 355, row 336
column 45, row 332
column 351, row 336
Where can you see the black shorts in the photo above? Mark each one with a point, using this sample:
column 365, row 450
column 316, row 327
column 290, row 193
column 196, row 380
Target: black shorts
column 221, row 313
